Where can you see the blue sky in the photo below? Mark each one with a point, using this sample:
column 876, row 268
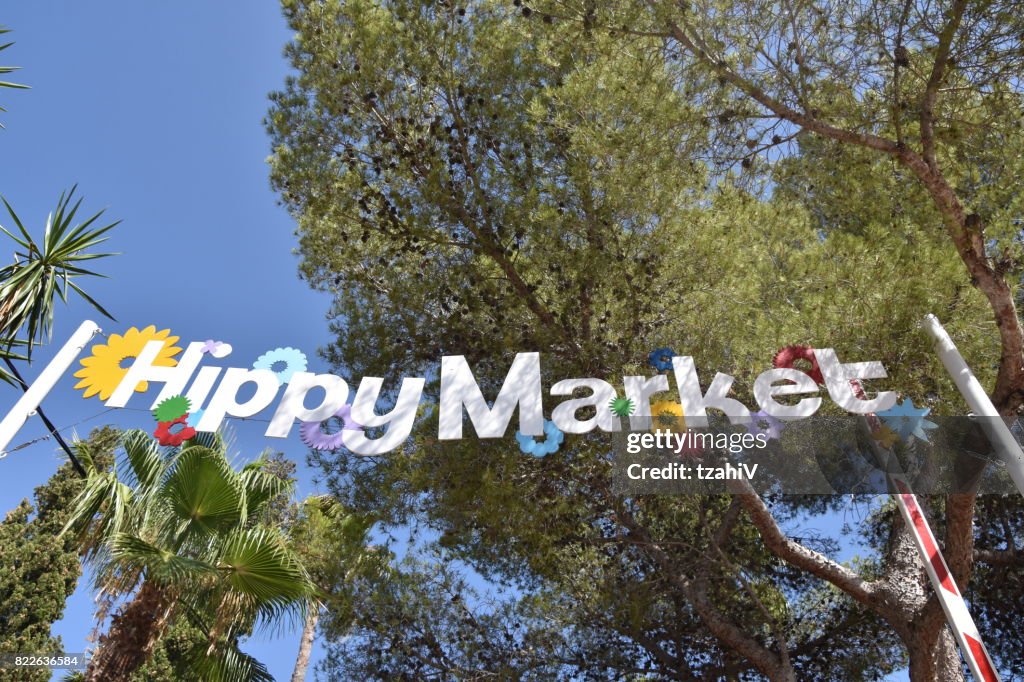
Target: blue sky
column 155, row 110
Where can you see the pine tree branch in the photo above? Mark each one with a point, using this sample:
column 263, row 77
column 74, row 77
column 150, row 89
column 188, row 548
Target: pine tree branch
column 696, row 591
column 931, row 89
column 798, row 555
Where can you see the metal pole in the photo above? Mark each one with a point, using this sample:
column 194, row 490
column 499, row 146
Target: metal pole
column 49, row 424
column 977, row 399
column 34, row 394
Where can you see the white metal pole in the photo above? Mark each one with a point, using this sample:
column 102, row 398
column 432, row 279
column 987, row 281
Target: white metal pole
column 34, row 394
column 992, row 422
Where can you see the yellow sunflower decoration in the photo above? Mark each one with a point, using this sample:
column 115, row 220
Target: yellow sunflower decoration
column 102, row 371
column 667, row 415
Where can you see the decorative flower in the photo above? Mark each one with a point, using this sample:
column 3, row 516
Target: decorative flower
column 165, row 436
column 194, row 417
column 667, row 414
column 294, row 361
column 661, row 359
column 102, row 371
column 621, row 407
column 763, row 423
column 885, row 436
column 552, row 441
column 790, row 354
column 172, row 408
column 217, row 349
column 908, row 421
column 313, row 436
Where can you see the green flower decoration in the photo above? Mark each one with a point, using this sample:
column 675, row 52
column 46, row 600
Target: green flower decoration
column 172, row 408
column 621, row 407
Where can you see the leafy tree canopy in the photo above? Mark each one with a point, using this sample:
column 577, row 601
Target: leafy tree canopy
column 496, row 177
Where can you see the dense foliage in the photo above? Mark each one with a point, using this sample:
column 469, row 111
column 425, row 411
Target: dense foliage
column 38, row 570
column 489, row 178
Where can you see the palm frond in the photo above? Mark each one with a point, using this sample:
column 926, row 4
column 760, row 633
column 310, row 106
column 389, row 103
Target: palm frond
column 203, row 491
column 7, row 353
column 260, row 567
column 8, row 69
column 143, row 457
column 212, row 440
column 227, row 664
column 161, row 565
column 262, row 487
column 101, row 509
column 43, row 272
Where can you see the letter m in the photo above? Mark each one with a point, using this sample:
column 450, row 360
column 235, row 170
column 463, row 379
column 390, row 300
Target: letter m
column 459, row 389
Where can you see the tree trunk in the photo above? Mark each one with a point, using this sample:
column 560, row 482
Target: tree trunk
column 133, row 633
column 306, row 645
column 940, row 661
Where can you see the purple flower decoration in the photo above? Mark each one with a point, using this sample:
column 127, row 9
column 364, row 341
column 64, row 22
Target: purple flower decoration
column 217, row 349
column 763, row 423
column 315, row 438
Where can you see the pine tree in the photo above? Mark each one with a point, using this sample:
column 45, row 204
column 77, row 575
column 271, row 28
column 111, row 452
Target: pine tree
column 570, row 177
column 38, row 570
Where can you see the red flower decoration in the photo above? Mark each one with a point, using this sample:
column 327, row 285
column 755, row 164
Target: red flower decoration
column 165, row 437
column 790, row 354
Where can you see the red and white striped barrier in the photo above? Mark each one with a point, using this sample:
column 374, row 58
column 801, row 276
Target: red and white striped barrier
column 950, row 597
column 952, row 601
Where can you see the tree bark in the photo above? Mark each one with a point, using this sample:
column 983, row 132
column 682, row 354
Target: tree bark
column 775, row 667
column 134, row 632
column 938, row 661
column 306, row 645
column 910, row 606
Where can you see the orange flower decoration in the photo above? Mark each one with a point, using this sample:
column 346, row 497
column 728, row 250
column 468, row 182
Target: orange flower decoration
column 886, row 437
column 102, row 371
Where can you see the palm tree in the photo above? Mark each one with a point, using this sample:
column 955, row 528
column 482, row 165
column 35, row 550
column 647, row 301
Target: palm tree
column 43, row 271
column 7, row 69
column 179, row 533
column 332, row 542
column 40, row 273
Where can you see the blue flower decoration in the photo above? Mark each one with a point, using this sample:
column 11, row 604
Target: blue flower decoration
column 294, row 361
column 539, row 448
column 908, row 421
column 763, row 423
column 661, row 359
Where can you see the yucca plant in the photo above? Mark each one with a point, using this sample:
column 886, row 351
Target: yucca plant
column 179, row 533
column 45, row 271
column 8, row 69
column 40, row 273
